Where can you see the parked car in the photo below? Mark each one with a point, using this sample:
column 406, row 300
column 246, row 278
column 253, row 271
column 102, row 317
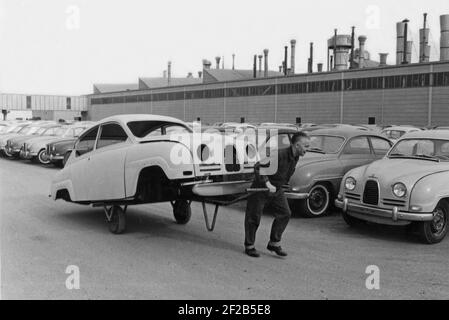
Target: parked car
column 333, row 152
column 35, row 149
column 135, row 159
column 395, row 133
column 16, row 131
column 14, row 145
column 58, row 151
column 407, row 188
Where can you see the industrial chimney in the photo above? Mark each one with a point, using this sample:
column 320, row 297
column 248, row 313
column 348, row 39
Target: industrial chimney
column 311, row 58
column 169, row 73
column 200, row 74
column 265, row 53
column 217, row 59
column 362, row 40
column 260, row 65
column 409, row 52
column 285, row 60
column 233, row 61
column 293, row 55
column 189, row 75
column 424, row 48
column 400, row 28
column 206, row 64
column 444, row 41
column 383, row 59
column 320, row 67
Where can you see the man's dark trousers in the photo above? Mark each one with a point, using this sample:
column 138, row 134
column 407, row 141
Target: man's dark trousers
column 279, row 206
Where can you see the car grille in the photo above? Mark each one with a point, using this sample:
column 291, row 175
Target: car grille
column 353, row 196
column 371, row 193
column 394, row 203
column 48, row 149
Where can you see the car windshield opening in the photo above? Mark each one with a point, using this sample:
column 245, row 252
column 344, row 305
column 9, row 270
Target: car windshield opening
column 426, row 149
column 325, row 144
column 142, row 129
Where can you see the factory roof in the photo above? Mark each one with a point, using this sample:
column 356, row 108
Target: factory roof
column 221, row 75
column 118, row 87
column 161, row 82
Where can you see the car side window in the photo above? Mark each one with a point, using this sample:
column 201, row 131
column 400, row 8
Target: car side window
column 358, row 145
column 87, row 142
column 111, row 133
column 380, row 146
column 175, row 129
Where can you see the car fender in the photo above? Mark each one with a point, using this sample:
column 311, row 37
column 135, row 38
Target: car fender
column 156, row 153
column 62, row 181
column 429, row 190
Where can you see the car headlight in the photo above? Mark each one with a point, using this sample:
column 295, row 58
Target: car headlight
column 350, row 184
column 400, row 190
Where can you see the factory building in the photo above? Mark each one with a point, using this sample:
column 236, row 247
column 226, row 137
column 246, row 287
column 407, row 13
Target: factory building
column 45, row 107
column 353, row 89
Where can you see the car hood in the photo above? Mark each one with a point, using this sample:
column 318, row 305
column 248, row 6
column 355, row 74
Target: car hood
column 407, row 171
column 41, row 139
column 21, row 139
column 63, row 140
column 6, row 137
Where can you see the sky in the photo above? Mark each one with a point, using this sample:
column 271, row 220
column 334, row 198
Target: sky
column 65, row 46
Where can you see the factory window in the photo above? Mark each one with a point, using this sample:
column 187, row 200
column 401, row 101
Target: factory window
column 69, row 103
column 131, row 99
column 441, row 79
column 118, row 100
column 28, row 102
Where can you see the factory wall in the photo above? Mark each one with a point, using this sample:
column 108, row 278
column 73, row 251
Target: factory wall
column 56, row 115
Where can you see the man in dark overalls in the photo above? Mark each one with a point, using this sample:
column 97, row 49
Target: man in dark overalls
column 275, row 197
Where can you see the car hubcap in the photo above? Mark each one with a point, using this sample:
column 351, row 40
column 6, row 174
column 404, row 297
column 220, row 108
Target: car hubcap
column 439, row 222
column 43, row 158
column 318, row 200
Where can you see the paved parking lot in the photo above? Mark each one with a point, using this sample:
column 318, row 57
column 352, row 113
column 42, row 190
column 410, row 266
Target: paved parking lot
column 158, row 259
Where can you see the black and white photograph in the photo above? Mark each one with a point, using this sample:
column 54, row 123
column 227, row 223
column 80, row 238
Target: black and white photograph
column 240, row 152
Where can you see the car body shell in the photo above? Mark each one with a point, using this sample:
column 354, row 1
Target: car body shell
column 112, row 173
column 401, row 130
column 330, row 168
column 426, row 183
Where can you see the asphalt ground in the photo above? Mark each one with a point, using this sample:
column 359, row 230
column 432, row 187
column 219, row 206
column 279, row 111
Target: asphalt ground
column 158, row 259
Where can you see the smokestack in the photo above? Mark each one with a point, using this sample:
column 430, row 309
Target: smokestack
column 409, row 51
column 351, row 59
column 320, row 67
column 281, row 67
column 206, row 64
column 233, row 61
column 332, row 61
column 293, row 55
column 405, row 50
column 189, row 75
column 260, row 66
column 265, row 53
column 424, row 48
column 285, row 60
column 255, row 67
column 335, row 48
column 222, row 62
column 200, row 74
column 311, row 58
column 383, row 59
column 444, row 41
column 169, row 73
column 362, row 40
column 400, row 42
column 217, row 59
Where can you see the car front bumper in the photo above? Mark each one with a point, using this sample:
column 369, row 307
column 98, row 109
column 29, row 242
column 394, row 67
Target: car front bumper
column 56, row 157
column 13, row 151
column 296, row 195
column 27, row 154
column 393, row 215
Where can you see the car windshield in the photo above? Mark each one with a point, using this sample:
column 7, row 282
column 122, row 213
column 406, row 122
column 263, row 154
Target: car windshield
column 29, row 130
column 60, row 132
column 325, row 144
column 394, row 134
column 431, row 149
column 142, row 129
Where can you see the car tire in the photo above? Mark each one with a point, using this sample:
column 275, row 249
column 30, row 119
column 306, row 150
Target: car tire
column 182, row 211
column 42, row 158
column 432, row 232
column 318, row 203
column 117, row 225
column 7, row 154
column 350, row 220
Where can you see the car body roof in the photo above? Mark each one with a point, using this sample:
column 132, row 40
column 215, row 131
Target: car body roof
column 428, row 134
column 125, row 118
column 346, row 133
column 401, row 128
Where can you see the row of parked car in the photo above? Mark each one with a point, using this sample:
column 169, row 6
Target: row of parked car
column 125, row 160
column 44, row 142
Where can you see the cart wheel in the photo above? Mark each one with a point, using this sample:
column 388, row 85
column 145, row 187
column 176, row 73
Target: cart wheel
column 117, row 224
column 182, row 211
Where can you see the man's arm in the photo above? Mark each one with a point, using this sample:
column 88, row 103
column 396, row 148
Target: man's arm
column 260, row 177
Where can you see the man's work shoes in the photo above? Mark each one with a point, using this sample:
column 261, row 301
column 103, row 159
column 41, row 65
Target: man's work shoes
column 278, row 250
column 252, row 253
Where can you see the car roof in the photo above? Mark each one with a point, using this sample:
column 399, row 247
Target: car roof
column 428, row 134
column 401, row 128
column 125, row 118
column 345, row 132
